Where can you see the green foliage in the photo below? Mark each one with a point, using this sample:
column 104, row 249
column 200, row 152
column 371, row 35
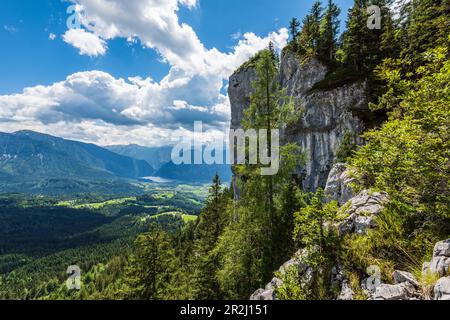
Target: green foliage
column 318, row 36
column 151, row 266
column 329, row 29
column 211, row 223
column 337, row 78
column 42, row 236
column 361, row 45
column 294, row 25
column 426, row 27
column 409, row 156
column 315, row 233
column 347, row 148
column 233, row 248
column 294, row 286
column 251, row 63
column 310, row 224
column 309, row 39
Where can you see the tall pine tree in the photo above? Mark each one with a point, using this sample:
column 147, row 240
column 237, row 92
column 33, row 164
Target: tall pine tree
column 310, row 34
column 329, row 29
column 151, row 265
column 210, row 226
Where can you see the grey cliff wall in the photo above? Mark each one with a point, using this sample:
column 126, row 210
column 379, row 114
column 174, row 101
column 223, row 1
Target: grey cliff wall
column 326, row 115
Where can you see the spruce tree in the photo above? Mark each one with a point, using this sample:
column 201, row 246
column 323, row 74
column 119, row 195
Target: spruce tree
column 294, row 26
column 210, row 226
column 310, row 34
column 355, row 36
column 292, row 199
column 365, row 48
column 427, row 25
column 329, row 29
column 151, row 265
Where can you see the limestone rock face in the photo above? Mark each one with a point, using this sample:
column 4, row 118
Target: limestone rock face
column 239, row 90
column 326, row 120
column 327, row 116
column 338, row 187
column 362, row 211
column 299, row 77
column 268, row 293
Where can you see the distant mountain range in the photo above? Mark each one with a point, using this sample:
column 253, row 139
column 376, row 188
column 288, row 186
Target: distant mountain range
column 40, row 163
column 160, row 159
column 31, row 155
column 195, row 173
column 156, row 157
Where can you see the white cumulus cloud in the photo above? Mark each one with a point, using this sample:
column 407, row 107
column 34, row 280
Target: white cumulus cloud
column 88, row 43
column 97, row 107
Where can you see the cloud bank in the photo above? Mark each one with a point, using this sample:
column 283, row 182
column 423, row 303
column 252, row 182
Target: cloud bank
column 94, row 106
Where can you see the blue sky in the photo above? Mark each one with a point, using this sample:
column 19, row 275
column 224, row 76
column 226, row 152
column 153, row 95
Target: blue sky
column 182, row 51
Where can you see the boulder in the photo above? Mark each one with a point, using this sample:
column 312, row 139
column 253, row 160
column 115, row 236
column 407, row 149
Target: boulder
column 296, row 261
column 362, row 211
column 442, row 289
column 339, row 182
column 262, row 294
column 274, row 284
column 402, row 291
column 337, row 276
column 440, row 265
column 403, row 276
column 361, row 224
column 442, row 249
column 346, row 292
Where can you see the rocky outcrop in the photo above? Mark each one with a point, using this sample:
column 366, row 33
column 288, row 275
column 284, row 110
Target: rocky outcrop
column 339, row 184
column 362, row 211
column 442, row 249
column 268, row 293
column 326, row 120
column 406, row 286
column 440, row 263
column 303, row 269
column 346, row 292
column 402, row 291
column 403, row 276
column 327, row 116
column 442, row 289
column 239, row 89
column 299, row 78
